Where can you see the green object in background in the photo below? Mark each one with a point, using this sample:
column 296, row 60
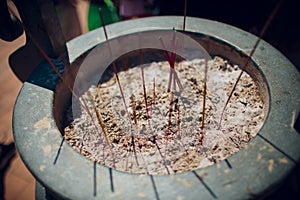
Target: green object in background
column 109, row 14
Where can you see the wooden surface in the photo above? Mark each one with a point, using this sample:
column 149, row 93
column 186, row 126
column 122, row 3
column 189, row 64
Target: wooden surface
column 19, row 183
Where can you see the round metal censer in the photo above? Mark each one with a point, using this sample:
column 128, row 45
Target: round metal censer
column 250, row 173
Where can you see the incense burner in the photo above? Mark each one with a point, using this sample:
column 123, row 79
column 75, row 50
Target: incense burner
column 252, row 172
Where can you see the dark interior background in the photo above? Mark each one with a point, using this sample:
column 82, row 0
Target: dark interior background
column 283, row 33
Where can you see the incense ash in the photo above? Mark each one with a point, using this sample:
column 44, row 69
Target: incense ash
column 160, row 127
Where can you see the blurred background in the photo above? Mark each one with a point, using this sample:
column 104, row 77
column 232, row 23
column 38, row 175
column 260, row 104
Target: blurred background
column 77, row 17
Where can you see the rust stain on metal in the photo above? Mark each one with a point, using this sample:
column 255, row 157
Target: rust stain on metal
column 179, row 197
column 43, row 124
column 141, row 195
column 293, row 119
column 171, row 177
column 283, row 160
column 271, row 165
column 42, row 168
column 259, row 156
column 185, row 182
column 262, row 148
column 47, row 150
